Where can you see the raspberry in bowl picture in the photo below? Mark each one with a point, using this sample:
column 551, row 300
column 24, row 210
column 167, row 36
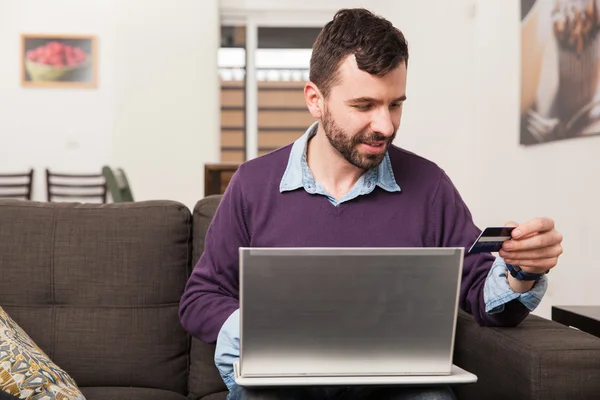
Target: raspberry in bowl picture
column 58, row 61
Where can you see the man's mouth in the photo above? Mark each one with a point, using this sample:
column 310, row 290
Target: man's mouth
column 374, row 147
column 375, row 144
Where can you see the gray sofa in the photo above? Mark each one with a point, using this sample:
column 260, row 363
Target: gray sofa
column 97, row 287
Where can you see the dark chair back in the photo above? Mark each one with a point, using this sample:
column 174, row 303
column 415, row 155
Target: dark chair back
column 16, row 185
column 117, row 184
column 72, row 187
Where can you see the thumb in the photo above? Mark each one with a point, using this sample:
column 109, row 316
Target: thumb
column 512, row 223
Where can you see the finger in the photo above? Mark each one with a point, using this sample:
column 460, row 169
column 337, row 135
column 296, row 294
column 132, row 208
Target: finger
column 534, row 242
column 544, row 252
column 535, row 225
column 516, row 224
column 535, row 266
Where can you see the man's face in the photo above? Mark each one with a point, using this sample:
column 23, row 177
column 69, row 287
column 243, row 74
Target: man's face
column 362, row 113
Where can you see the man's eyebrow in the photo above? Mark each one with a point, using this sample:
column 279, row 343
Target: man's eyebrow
column 372, row 100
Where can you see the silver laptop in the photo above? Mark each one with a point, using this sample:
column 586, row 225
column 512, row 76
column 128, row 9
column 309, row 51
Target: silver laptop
column 348, row 316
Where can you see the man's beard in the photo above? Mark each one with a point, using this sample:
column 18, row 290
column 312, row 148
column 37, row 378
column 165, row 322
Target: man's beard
column 347, row 146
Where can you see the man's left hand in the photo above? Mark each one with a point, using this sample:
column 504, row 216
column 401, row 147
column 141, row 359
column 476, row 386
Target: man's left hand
column 535, row 246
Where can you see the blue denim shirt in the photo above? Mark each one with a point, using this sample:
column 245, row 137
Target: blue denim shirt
column 496, row 292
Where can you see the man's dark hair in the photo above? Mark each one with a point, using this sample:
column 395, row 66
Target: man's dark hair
column 378, row 46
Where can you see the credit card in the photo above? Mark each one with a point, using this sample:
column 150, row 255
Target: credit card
column 491, row 239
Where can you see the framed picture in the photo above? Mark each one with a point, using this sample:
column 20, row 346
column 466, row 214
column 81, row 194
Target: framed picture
column 560, row 70
column 59, row 61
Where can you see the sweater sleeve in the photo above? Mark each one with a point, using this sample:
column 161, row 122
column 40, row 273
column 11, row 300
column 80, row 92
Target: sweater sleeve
column 211, row 293
column 453, row 226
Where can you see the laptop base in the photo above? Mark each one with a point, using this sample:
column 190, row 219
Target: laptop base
column 457, row 376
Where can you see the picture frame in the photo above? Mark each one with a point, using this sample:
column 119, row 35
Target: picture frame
column 55, row 60
column 560, row 70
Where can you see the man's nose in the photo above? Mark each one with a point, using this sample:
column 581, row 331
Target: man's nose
column 382, row 123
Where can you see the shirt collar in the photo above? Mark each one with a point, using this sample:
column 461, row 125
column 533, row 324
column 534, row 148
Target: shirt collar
column 297, row 174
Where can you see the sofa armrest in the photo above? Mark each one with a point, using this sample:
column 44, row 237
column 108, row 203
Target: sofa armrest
column 538, row 360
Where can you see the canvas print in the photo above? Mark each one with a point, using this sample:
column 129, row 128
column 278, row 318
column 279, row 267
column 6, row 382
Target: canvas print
column 560, row 70
column 55, row 61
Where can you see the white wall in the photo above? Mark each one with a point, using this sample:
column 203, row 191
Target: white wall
column 437, row 121
column 276, row 5
column 167, row 96
column 155, row 111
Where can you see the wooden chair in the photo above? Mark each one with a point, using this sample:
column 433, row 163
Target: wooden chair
column 75, row 187
column 217, row 177
column 16, row 185
column 117, row 184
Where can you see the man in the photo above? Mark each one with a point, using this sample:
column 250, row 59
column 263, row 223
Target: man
column 344, row 184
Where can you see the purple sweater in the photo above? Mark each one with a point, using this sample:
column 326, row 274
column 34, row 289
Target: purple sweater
column 427, row 212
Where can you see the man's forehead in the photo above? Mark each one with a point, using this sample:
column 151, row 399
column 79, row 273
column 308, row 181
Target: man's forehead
column 349, row 67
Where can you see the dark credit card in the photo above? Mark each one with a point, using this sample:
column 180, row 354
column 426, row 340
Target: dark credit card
column 491, row 239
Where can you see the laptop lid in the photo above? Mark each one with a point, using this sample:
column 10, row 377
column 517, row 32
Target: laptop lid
column 348, row 311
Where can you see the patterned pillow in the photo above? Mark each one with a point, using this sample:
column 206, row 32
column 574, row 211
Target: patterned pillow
column 26, row 372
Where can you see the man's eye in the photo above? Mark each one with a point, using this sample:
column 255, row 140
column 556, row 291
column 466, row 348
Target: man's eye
column 395, row 106
column 362, row 107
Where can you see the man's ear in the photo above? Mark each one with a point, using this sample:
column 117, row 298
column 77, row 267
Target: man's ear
column 314, row 100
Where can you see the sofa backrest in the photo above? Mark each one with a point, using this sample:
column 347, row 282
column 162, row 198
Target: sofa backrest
column 97, row 287
column 204, row 376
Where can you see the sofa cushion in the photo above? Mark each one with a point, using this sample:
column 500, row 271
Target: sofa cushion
column 204, row 377
column 25, row 371
column 129, row 393
column 203, row 213
column 98, row 287
column 217, row 396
